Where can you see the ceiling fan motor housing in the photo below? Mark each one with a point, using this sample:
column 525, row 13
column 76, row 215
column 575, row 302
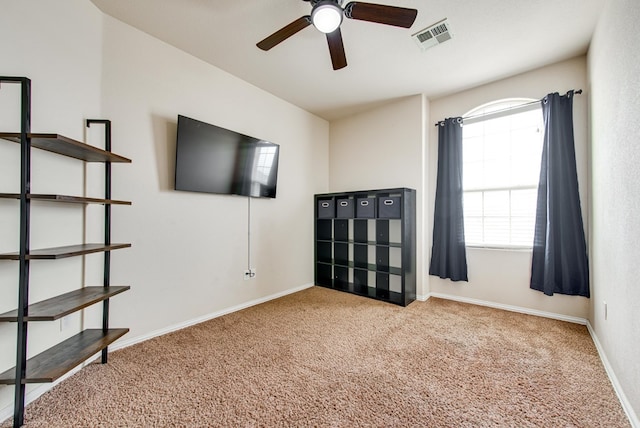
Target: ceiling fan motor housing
column 326, row 15
column 314, row 2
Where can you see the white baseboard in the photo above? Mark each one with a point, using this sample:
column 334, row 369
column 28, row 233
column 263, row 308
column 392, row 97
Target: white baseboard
column 125, row 343
column 422, row 297
column 32, row 395
column 511, row 308
column 626, row 406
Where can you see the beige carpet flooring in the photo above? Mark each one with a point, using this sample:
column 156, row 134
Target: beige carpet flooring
column 324, row 358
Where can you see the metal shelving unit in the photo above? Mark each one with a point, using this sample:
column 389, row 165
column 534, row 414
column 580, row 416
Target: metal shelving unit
column 63, row 357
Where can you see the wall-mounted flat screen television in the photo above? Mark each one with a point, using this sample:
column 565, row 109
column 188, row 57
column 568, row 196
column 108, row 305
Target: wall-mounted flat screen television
column 212, row 159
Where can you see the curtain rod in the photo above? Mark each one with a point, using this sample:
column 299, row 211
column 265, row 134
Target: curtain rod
column 476, row 116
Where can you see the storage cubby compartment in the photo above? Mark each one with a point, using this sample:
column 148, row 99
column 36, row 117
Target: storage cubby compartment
column 324, row 274
column 361, row 277
column 324, row 230
column 395, row 257
column 361, row 256
column 373, row 254
column 382, row 231
column 360, row 231
column 341, row 253
column 341, row 276
column 324, row 251
column 382, row 281
column 341, row 230
column 395, row 283
column 382, row 259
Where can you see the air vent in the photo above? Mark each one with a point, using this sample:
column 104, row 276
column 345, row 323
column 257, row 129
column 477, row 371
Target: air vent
column 437, row 33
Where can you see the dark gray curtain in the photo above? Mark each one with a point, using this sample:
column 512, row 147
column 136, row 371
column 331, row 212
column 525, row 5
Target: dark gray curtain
column 448, row 256
column 560, row 262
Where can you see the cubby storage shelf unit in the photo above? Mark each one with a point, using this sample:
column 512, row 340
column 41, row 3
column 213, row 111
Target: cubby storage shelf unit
column 54, row 362
column 365, row 243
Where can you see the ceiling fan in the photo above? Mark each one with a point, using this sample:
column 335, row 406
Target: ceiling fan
column 326, row 16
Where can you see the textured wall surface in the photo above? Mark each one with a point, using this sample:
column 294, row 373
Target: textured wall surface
column 614, row 66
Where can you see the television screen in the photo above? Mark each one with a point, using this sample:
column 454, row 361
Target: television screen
column 211, row 159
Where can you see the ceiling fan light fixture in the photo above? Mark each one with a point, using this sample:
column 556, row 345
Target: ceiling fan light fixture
column 326, row 16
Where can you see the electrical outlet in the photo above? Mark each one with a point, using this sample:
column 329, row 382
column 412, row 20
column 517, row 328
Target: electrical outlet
column 249, row 274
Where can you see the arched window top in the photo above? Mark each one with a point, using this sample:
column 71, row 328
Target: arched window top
column 499, row 108
column 497, row 105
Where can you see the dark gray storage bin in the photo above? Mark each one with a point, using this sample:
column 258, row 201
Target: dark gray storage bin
column 366, row 208
column 344, row 208
column 389, row 206
column 326, row 208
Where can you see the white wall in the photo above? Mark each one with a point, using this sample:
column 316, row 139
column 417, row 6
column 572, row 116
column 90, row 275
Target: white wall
column 614, row 68
column 501, row 276
column 189, row 250
column 57, row 46
column 380, row 149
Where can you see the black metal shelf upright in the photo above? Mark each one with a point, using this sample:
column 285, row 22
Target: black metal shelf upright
column 107, row 226
column 51, row 364
column 25, row 212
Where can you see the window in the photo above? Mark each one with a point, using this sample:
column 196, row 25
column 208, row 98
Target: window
column 502, row 149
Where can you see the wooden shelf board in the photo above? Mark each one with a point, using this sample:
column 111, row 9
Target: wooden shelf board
column 65, row 199
column 67, row 147
column 64, row 304
column 58, row 360
column 62, row 252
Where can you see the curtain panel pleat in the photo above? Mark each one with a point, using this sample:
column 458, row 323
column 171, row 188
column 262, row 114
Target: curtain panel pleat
column 559, row 263
column 448, row 252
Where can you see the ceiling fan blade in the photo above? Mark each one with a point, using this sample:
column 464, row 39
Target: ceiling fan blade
column 336, row 49
column 284, row 33
column 382, row 14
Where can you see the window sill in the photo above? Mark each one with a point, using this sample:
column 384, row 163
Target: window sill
column 516, row 248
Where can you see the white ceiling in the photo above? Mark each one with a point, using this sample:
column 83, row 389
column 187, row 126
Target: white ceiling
column 492, row 39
